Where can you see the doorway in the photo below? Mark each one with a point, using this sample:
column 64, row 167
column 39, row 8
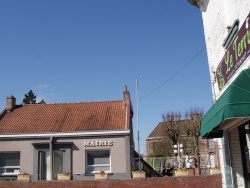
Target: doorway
column 44, row 167
column 49, row 162
column 244, row 132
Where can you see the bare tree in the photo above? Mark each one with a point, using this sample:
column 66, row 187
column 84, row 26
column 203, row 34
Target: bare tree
column 188, row 145
column 193, row 119
column 162, row 148
column 173, row 125
column 171, row 121
column 193, row 123
column 192, row 127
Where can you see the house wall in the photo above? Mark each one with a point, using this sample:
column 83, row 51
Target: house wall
column 26, row 150
column 119, row 151
column 217, row 16
column 120, row 158
column 236, row 158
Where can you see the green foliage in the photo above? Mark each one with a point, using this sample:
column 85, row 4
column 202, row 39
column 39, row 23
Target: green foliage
column 30, row 98
column 42, row 102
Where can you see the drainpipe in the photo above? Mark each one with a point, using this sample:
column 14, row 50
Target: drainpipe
column 51, row 157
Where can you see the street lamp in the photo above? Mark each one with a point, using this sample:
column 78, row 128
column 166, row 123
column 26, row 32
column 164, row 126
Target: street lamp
column 178, row 149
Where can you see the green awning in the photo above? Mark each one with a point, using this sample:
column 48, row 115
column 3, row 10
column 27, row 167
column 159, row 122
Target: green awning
column 233, row 103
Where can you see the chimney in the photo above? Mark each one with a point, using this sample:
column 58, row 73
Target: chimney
column 128, row 108
column 10, row 103
column 126, row 97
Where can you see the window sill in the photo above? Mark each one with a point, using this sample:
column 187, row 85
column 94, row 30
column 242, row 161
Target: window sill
column 109, row 173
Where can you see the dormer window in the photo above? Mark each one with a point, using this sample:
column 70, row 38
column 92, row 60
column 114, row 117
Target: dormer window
column 232, row 30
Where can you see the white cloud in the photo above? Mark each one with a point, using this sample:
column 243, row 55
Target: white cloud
column 43, row 86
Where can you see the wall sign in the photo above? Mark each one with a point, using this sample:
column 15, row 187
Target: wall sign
column 235, row 56
column 98, row 143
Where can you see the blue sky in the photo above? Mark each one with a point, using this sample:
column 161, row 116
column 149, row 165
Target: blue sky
column 87, row 50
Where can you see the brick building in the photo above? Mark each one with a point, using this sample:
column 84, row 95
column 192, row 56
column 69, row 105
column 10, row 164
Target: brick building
column 159, row 144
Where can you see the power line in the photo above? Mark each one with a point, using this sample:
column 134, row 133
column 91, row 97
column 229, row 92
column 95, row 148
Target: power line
column 171, row 77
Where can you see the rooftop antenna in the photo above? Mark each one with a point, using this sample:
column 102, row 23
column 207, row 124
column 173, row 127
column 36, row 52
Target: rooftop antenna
column 137, row 122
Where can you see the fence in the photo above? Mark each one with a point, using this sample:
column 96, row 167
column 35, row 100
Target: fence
column 162, row 163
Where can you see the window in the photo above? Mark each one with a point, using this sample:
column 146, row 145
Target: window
column 10, row 163
column 210, row 143
column 232, row 31
column 98, row 160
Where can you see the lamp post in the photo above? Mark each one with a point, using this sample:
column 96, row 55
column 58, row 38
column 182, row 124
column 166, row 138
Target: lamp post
column 178, row 149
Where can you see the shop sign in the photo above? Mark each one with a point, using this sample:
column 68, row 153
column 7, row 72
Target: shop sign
column 235, row 56
column 98, row 143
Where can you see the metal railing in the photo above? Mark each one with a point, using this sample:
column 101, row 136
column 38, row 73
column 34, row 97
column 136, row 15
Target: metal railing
column 162, row 163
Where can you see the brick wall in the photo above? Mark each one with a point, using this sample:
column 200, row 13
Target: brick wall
column 210, row 181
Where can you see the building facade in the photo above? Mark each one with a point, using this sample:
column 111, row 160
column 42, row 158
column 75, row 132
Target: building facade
column 79, row 139
column 227, row 36
column 158, row 142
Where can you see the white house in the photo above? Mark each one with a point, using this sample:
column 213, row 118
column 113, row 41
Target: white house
column 227, row 36
column 81, row 139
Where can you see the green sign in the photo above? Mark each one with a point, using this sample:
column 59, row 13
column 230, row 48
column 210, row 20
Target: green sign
column 235, row 56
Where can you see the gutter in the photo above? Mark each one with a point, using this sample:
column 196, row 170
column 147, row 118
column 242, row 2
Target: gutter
column 156, row 138
column 51, row 157
column 71, row 134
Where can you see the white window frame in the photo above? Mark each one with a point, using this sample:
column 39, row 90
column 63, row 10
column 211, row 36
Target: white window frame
column 210, row 143
column 98, row 165
column 4, row 169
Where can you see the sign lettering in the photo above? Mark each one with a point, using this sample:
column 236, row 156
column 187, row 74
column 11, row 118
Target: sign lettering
column 235, row 56
column 98, row 143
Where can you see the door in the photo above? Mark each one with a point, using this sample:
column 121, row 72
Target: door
column 58, row 163
column 245, row 146
column 49, row 165
column 44, row 165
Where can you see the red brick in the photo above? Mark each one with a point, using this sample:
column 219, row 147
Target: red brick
column 209, row 181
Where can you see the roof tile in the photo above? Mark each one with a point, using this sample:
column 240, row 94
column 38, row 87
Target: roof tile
column 67, row 117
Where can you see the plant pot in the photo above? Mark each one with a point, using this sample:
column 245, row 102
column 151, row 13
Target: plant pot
column 101, row 176
column 180, row 173
column 63, row 176
column 138, row 174
column 23, row 177
column 215, row 171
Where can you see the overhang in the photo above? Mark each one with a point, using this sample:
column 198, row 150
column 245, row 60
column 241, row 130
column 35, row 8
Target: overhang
column 86, row 134
column 231, row 109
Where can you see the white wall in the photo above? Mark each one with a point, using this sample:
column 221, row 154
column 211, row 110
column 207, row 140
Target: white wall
column 236, row 158
column 216, row 18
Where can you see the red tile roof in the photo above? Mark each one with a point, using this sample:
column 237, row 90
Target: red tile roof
column 160, row 129
column 68, row 117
